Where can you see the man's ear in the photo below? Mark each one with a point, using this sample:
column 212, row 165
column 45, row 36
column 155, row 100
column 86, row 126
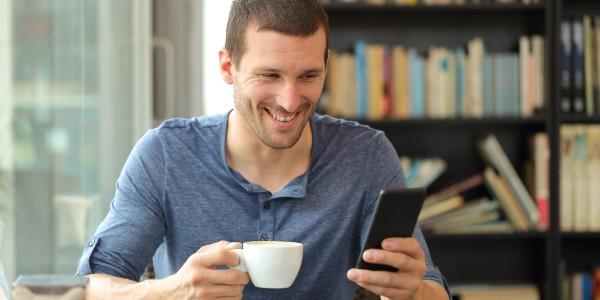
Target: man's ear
column 226, row 66
column 327, row 61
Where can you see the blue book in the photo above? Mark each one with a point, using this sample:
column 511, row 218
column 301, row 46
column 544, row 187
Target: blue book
column 587, row 286
column 360, row 49
column 417, row 84
column 460, row 81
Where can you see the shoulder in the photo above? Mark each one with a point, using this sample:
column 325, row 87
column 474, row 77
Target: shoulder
column 328, row 125
column 191, row 129
column 197, row 123
column 344, row 133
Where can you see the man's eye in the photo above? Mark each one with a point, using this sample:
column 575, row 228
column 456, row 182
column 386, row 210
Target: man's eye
column 270, row 75
column 309, row 76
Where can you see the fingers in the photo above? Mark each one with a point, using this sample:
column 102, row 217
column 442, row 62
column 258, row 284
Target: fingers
column 391, row 293
column 397, row 260
column 227, row 277
column 216, row 254
column 384, row 279
column 408, row 246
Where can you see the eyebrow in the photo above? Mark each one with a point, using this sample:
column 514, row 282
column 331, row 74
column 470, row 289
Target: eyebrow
column 273, row 70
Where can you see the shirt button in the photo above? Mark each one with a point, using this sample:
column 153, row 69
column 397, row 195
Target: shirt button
column 91, row 242
column 267, row 205
column 264, row 237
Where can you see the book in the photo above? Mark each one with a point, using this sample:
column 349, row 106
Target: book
column 465, row 221
column 360, row 49
column 474, row 88
column 401, row 79
column 596, row 61
column 565, row 66
column 422, row 172
column 496, row 157
column 587, row 66
column 375, row 88
column 567, row 140
column 455, row 189
column 541, row 161
column 500, row 191
column 581, row 197
column 440, row 207
column 526, row 76
column 491, row 227
column 593, row 170
column 537, row 48
column 473, row 207
column 578, row 67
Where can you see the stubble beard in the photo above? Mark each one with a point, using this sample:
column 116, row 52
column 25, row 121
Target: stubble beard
column 243, row 105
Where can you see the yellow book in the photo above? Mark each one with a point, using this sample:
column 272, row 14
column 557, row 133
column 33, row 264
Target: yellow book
column 375, row 81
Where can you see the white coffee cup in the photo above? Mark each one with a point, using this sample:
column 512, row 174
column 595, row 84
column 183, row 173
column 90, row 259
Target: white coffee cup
column 270, row 264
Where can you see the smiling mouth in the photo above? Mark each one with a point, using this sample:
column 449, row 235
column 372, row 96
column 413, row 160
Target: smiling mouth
column 282, row 117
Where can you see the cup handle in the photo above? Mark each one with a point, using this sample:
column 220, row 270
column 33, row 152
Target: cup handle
column 242, row 265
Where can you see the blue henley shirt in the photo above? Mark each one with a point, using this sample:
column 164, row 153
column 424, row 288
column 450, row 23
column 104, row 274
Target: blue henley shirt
column 176, row 193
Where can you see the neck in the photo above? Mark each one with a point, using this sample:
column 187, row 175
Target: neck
column 261, row 164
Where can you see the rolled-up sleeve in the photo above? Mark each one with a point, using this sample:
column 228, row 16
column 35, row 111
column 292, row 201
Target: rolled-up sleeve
column 134, row 227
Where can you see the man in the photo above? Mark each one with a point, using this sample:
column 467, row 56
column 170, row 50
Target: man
column 271, row 169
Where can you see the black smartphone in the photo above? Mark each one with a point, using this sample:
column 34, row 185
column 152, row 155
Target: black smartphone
column 396, row 215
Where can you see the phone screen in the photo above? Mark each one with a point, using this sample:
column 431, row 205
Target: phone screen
column 396, row 215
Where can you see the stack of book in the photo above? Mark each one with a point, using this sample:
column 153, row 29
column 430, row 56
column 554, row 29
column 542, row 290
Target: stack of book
column 378, row 81
column 580, row 178
column 447, row 211
column 506, row 204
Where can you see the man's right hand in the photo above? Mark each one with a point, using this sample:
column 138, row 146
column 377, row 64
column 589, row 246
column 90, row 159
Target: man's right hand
column 199, row 278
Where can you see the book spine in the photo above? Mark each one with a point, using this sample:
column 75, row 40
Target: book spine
column 578, row 68
column 361, row 79
column 566, row 69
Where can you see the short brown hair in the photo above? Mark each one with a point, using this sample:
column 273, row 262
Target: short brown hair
column 292, row 17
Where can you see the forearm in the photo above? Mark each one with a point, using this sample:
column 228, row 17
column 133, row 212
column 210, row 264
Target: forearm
column 103, row 286
column 431, row 290
column 428, row 290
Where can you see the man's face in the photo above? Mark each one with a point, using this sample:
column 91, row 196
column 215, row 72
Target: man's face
column 277, row 84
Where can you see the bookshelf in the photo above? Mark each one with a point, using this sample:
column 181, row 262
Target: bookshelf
column 542, row 258
column 577, row 251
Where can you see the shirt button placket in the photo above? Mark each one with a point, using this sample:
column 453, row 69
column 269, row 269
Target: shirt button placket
column 267, row 218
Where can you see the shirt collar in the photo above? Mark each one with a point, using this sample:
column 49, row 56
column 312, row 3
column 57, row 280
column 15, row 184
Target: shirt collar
column 294, row 189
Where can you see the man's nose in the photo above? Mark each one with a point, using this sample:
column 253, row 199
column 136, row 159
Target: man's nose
column 288, row 97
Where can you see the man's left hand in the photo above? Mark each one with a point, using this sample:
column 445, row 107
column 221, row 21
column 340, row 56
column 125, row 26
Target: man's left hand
column 404, row 254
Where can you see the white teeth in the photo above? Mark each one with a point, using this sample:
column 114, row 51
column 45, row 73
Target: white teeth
column 283, row 118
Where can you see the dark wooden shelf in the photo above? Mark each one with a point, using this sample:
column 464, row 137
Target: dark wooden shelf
column 571, row 119
column 580, row 7
column 486, row 236
column 365, row 8
column 580, row 250
column 581, row 235
column 467, row 259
